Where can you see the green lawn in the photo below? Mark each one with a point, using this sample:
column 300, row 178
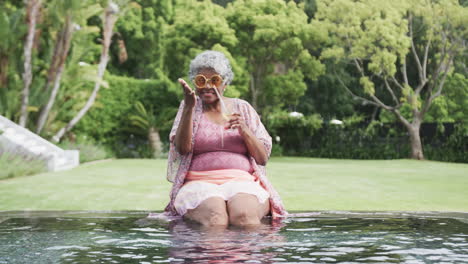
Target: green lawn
column 304, row 184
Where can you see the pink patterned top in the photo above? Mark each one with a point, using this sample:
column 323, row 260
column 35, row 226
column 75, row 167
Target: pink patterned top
column 217, row 148
column 179, row 165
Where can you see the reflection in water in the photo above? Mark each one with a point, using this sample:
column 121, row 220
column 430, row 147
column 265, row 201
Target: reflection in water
column 194, row 244
column 130, row 238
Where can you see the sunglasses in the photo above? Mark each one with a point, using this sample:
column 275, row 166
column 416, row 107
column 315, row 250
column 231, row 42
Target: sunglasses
column 201, row 81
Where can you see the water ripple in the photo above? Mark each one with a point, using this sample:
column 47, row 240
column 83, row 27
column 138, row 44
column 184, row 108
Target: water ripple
column 409, row 239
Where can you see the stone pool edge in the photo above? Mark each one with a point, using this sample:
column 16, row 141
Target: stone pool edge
column 462, row 216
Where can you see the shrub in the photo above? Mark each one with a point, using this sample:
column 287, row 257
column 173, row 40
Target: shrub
column 276, row 150
column 108, row 123
column 15, row 164
column 449, row 148
column 376, row 140
column 291, row 130
column 358, row 141
column 88, row 151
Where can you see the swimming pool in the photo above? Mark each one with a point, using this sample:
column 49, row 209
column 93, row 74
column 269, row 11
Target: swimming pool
column 319, row 237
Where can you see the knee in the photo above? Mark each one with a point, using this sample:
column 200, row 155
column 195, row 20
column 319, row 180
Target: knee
column 244, row 218
column 216, row 217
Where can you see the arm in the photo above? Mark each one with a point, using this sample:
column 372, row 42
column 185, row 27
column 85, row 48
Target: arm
column 183, row 137
column 255, row 147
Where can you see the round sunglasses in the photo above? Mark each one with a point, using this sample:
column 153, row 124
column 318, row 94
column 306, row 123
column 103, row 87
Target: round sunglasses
column 201, row 81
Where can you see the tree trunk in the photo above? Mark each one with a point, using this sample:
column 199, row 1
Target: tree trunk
column 155, row 142
column 51, row 73
column 374, row 113
column 253, row 91
column 413, row 129
column 110, row 18
column 256, row 86
column 415, row 141
column 56, row 69
column 3, row 70
column 32, row 11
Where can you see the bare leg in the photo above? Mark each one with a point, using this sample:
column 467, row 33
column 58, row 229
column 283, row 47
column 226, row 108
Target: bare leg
column 211, row 212
column 245, row 209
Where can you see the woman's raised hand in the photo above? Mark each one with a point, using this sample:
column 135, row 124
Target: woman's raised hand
column 190, row 97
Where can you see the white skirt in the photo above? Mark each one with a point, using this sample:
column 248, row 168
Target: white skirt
column 192, row 194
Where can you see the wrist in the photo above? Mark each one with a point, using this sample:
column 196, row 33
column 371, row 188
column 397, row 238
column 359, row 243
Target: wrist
column 188, row 109
column 245, row 132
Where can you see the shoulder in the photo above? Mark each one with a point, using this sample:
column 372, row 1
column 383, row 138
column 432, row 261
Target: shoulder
column 241, row 101
column 244, row 105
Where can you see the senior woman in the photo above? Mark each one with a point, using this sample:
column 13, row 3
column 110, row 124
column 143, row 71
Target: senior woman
column 218, row 150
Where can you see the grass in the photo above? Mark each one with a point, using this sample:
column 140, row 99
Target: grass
column 305, row 184
column 88, row 151
column 12, row 165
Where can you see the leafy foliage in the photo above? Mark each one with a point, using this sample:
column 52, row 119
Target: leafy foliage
column 89, row 150
column 11, row 30
column 17, row 163
column 286, row 56
column 289, row 130
column 356, row 139
column 389, row 42
column 114, row 106
column 325, row 95
column 273, row 37
column 452, row 106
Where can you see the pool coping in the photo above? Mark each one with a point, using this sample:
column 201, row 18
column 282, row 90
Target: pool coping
column 462, row 216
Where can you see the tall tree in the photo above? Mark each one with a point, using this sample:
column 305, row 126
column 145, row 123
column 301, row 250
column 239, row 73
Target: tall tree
column 109, row 18
column 69, row 15
column 192, row 32
column 273, row 36
column 185, row 33
column 323, row 96
column 140, row 28
column 388, row 42
column 145, row 121
column 32, row 12
column 12, row 32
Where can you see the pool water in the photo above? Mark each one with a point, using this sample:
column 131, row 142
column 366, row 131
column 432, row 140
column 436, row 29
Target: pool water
column 325, row 237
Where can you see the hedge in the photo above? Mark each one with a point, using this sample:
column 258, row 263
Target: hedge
column 107, row 122
column 442, row 142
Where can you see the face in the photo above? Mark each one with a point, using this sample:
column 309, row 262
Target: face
column 208, row 94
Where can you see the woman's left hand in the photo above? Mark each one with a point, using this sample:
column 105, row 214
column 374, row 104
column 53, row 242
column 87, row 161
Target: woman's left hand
column 254, row 145
column 237, row 121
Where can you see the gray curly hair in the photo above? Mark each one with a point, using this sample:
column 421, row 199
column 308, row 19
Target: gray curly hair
column 215, row 60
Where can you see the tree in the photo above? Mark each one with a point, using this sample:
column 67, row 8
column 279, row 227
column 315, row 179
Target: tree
column 175, row 33
column 141, row 28
column 389, row 43
column 79, row 75
column 12, row 32
column 273, row 37
column 323, row 96
column 452, row 105
column 109, row 18
column 194, row 31
column 33, row 12
column 71, row 15
column 149, row 123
